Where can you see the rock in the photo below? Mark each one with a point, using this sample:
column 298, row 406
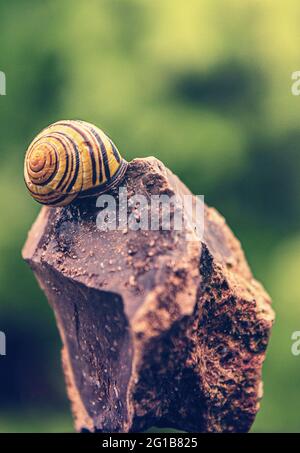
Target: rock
column 156, row 330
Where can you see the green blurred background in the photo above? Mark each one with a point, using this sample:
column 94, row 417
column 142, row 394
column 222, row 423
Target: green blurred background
column 203, row 85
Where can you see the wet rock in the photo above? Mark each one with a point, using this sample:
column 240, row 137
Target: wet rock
column 157, row 330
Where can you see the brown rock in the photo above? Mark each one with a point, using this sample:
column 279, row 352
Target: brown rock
column 156, row 330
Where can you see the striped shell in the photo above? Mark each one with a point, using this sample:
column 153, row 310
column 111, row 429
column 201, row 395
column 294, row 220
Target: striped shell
column 69, row 160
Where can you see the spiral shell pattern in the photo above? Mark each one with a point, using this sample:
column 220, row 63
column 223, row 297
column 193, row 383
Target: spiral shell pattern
column 71, row 159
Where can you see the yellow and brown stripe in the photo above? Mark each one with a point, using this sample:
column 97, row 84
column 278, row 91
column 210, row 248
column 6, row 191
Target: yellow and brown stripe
column 71, row 159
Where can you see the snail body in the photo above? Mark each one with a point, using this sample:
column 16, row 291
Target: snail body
column 71, row 159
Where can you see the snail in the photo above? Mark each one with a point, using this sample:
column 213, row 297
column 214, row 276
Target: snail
column 71, row 159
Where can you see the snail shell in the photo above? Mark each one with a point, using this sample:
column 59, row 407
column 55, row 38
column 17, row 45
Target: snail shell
column 69, row 160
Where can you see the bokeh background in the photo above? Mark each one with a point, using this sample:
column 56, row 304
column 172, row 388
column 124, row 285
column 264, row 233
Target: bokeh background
column 203, row 85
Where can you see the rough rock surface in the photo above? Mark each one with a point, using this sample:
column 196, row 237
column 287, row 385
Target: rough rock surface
column 156, row 330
